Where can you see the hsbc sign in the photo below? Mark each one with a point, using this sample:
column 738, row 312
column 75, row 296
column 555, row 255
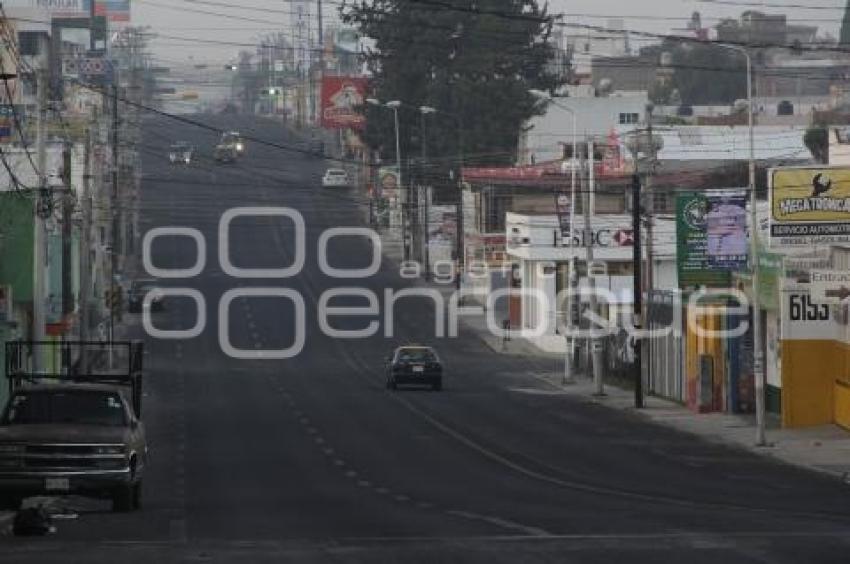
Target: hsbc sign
column 604, row 237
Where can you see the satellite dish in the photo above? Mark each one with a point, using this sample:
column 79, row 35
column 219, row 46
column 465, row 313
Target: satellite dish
column 604, row 87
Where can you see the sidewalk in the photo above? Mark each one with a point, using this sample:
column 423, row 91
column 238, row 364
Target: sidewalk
column 824, row 449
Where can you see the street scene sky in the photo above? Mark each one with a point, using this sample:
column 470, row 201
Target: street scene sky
column 656, row 16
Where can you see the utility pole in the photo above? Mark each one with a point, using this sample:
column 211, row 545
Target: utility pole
column 42, row 213
column 595, row 344
column 115, row 202
column 640, row 308
column 67, row 208
column 637, row 288
column 423, row 166
column 461, row 242
column 85, row 253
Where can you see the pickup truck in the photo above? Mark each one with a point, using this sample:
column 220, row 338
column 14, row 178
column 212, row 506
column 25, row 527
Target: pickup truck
column 71, row 438
column 72, row 425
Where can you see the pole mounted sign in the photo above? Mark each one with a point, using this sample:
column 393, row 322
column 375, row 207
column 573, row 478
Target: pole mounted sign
column 830, row 286
column 809, row 205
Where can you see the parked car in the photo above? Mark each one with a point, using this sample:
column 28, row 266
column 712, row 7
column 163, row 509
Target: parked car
column 335, row 178
column 136, row 296
column 418, row 365
column 72, row 438
column 181, row 153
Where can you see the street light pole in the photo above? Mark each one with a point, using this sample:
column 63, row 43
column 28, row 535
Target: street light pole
column 426, row 251
column 758, row 360
column 570, row 344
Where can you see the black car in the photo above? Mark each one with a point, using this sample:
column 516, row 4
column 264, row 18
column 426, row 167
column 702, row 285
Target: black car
column 138, row 290
column 414, row 365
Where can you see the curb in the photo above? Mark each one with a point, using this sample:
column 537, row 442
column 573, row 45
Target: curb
column 715, row 438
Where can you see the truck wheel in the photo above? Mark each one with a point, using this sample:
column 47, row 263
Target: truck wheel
column 122, row 499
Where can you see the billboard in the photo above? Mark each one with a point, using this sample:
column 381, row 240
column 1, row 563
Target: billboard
column 442, row 233
column 61, row 8
column 726, row 230
column 692, row 250
column 341, row 95
column 809, row 205
column 113, row 10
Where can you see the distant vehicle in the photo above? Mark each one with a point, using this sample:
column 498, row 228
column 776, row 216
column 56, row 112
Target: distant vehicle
column 335, row 178
column 414, row 365
column 136, row 296
column 233, row 139
column 72, row 438
column 225, row 153
column 181, row 153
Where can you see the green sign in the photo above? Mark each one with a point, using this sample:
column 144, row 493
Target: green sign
column 770, row 271
column 692, row 259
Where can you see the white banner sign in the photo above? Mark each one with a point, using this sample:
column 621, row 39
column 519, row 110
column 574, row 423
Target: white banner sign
column 830, row 286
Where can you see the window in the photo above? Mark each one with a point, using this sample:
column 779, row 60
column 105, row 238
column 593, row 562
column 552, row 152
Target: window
column 628, row 118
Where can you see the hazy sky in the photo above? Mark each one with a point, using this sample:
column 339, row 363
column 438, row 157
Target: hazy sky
column 174, row 18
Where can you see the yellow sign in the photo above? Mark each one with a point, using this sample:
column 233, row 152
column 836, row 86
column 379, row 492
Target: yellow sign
column 810, row 205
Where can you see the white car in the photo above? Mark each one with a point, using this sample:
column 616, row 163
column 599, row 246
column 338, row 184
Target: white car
column 335, row 178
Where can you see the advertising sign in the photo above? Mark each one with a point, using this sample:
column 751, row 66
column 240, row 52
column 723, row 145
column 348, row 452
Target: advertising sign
column 442, row 233
column 809, row 206
column 387, row 183
column 692, row 258
column 726, row 230
column 113, row 10
column 564, row 213
column 769, row 274
column 86, row 66
column 341, row 95
column 60, row 8
column 830, row 286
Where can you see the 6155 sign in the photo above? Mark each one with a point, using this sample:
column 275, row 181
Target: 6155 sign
column 801, row 308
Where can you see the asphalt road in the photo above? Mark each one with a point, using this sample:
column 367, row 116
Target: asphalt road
column 311, row 458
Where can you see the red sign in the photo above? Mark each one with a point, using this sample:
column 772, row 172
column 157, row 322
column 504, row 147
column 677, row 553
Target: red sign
column 624, row 238
column 341, row 95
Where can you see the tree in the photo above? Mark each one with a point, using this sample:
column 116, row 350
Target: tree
column 816, row 140
column 475, row 65
column 844, row 38
column 707, row 74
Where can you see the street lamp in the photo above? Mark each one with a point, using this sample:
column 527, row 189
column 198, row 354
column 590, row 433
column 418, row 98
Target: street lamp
column 568, row 377
column 394, row 105
column 426, row 110
column 758, row 362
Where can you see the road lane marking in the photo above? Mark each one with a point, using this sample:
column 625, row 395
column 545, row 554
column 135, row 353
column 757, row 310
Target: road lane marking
column 499, row 522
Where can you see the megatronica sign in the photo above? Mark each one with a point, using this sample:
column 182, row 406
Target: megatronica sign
column 809, row 205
